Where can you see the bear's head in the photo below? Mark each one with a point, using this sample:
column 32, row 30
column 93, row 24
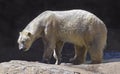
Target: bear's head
column 25, row 41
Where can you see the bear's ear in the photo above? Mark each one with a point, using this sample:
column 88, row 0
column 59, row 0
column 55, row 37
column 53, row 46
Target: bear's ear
column 29, row 34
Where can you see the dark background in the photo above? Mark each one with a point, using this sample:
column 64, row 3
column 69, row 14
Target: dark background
column 16, row 14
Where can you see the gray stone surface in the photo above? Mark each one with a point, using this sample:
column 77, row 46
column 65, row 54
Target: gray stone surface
column 24, row 67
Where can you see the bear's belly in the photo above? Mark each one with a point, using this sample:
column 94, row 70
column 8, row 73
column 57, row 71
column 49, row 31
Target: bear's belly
column 71, row 37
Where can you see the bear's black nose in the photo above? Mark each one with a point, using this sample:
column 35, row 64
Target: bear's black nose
column 22, row 49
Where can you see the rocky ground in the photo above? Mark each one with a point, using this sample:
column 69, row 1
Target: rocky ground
column 25, row 67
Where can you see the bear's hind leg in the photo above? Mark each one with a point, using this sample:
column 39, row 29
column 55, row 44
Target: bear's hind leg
column 96, row 49
column 96, row 56
column 57, row 52
column 80, row 55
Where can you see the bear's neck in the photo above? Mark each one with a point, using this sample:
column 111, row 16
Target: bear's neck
column 35, row 27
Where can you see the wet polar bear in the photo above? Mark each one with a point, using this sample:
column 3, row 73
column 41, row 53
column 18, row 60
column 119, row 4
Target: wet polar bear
column 82, row 28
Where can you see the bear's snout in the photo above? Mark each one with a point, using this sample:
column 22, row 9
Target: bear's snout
column 22, row 47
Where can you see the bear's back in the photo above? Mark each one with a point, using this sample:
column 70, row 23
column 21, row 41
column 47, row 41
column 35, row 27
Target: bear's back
column 76, row 25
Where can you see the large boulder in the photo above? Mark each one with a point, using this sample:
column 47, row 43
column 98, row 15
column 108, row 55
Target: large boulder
column 24, row 67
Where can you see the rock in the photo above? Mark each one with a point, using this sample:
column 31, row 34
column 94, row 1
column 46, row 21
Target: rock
column 24, row 67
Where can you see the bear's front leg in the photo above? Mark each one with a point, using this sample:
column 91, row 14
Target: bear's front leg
column 57, row 52
column 49, row 47
column 47, row 55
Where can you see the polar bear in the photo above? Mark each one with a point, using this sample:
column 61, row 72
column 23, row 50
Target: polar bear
column 79, row 27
